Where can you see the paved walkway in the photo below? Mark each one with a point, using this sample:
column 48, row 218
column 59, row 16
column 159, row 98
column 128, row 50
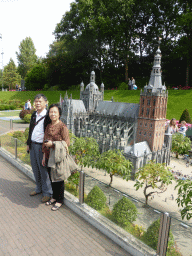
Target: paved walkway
column 28, row 227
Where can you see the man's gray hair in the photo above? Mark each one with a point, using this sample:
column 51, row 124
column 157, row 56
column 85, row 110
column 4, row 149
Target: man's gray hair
column 38, row 96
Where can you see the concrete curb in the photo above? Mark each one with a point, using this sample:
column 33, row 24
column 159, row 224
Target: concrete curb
column 128, row 242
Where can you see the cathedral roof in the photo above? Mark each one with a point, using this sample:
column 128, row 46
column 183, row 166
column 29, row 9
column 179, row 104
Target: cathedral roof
column 138, row 149
column 118, row 108
column 76, row 105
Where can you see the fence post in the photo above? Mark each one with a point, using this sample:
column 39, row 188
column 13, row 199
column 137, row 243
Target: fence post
column 15, row 148
column 81, row 187
column 165, row 223
column 11, row 124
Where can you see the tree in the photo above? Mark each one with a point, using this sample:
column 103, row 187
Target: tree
column 180, row 144
column 113, row 162
column 26, row 56
column 153, row 176
column 184, row 198
column 185, row 117
column 85, row 150
column 36, row 78
column 10, row 75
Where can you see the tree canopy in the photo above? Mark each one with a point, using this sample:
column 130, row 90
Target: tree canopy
column 26, row 56
column 117, row 40
column 10, row 75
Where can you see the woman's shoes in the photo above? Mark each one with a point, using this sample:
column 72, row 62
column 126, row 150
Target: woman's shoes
column 56, row 206
column 50, row 202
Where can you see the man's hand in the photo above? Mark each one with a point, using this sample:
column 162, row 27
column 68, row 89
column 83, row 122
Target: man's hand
column 28, row 150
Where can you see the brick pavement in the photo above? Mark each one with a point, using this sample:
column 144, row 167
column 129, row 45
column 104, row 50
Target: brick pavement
column 28, row 227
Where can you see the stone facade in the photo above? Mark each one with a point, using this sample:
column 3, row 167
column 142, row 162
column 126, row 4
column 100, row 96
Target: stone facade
column 136, row 129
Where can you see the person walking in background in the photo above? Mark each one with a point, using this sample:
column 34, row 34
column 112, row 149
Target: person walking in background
column 26, row 105
column 38, row 124
column 171, row 128
column 183, row 128
column 129, row 84
column 56, row 132
column 29, row 105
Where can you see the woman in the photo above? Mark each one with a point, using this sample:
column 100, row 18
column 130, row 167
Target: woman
column 55, row 131
column 172, row 127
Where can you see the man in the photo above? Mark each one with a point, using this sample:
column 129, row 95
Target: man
column 38, row 123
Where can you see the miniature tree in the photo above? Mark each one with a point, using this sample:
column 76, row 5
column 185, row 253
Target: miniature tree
column 85, row 150
column 180, row 144
column 124, row 211
column 184, row 198
column 114, row 162
column 153, row 176
column 185, row 117
column 96, row 198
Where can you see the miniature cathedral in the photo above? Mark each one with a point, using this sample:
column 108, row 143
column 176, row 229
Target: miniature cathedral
column 136, row 129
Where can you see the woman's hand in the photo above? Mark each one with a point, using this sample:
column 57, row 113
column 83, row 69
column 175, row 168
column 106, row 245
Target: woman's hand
column 49, row 144
column 43, row 160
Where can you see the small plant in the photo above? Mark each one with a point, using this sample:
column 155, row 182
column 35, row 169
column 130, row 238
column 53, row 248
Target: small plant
column 74, row 179
column 180, row 144
column 96, row 198
column 123, row 86
column 152, row 235
column 185, row 117
column 124, row 212
column 27, row 118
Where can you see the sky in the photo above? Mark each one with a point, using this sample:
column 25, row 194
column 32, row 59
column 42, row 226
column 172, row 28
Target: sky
column 29, row 18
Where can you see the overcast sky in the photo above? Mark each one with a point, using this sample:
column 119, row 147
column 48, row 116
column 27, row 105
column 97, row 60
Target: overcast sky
column 23, row 18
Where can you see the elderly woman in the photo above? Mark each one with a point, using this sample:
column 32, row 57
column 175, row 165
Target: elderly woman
column 172, row 128
column 55, row 131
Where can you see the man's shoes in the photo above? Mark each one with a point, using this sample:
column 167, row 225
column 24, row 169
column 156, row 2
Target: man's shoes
column 34, row 193
column 45, row 199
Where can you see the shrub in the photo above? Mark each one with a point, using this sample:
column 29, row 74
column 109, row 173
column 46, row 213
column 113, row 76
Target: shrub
column 26, row 133
column 123, row 86
column 12, row 107
column 96, row 198
column 19, row 135
column 124, row 212
column 2, row 107
column 152, row 235
column 27, row 118
column 185, row 117
column 23, row 113
column 74, row 178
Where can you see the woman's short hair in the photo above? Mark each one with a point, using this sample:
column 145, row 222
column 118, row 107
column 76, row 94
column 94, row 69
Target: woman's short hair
column 55, row 105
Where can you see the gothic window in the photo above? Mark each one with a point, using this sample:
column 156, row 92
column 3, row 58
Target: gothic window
column 143, row 101
column 149, row 134
column 151, row 125
column 144, row 133
column 159, row 134
column 154, row 101
column 147, row 113
column 142, row 110
column 140, row 133
column 153, row 113
column 145, row 124
column 148, row 102
column 156, row 134
column 140, row 124
column 154, row 71
column 157, row 71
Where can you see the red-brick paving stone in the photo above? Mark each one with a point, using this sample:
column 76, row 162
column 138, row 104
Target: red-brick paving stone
column 28, row 227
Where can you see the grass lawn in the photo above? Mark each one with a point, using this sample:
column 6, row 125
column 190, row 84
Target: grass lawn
column 9, row 113
column 178, row 100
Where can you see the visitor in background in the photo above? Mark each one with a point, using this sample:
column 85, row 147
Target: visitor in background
column 26, row 105
column 29, row 105
column 183, row 128
column 172, row 128
column 129, row 84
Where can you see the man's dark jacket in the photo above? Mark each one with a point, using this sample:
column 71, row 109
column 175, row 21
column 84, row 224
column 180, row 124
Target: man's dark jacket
column 32, row 125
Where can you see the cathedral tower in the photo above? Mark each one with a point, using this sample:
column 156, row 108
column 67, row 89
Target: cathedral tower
column 153, row 106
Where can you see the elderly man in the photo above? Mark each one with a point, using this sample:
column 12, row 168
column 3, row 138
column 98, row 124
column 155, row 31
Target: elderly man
column 38, row 123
